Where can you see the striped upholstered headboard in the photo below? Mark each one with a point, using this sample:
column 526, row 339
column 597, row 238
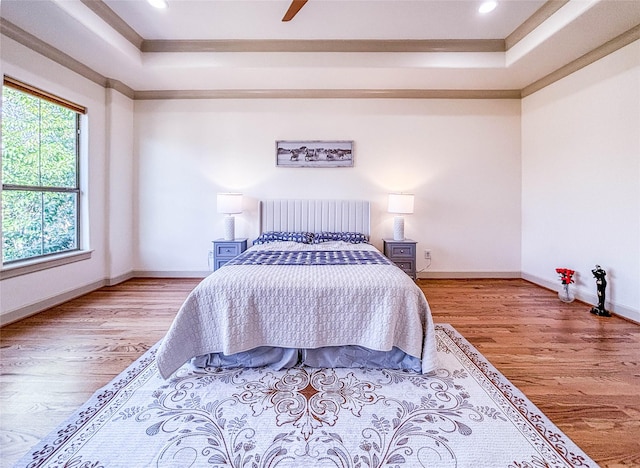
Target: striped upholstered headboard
column 315, row 216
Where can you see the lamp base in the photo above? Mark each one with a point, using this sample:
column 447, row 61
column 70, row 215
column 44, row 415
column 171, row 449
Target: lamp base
column 229, row 228
column 398, row 228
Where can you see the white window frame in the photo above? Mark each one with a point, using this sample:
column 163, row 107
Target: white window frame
column 41, row 262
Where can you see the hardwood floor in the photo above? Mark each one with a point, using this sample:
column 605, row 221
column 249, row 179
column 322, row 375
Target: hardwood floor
column 582, row 371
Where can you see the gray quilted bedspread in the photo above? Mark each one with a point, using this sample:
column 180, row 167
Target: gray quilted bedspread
column 241, row 307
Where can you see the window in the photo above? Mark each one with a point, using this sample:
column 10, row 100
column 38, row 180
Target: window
column 40, row 186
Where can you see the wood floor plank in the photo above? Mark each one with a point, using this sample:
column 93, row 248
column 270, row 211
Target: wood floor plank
column 581, row 370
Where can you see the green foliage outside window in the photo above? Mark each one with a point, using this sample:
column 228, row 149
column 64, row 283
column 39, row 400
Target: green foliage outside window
column 39, row 177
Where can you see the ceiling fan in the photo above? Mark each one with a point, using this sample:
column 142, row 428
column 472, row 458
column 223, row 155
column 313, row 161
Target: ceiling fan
column 293, row 10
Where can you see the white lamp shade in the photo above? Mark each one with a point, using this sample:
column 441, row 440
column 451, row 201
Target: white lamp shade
column 229, row 203
column 401, row 203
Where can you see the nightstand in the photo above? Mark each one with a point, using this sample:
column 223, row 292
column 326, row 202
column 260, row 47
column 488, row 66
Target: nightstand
column 402, row 253
column 225, row 250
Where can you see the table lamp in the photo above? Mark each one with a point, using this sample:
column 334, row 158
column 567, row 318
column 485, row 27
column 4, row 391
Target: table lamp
column 229, row 204
column 400, row 203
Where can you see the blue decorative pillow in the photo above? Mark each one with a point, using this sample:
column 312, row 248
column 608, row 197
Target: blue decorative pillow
column 273, row 236
column 351, row 237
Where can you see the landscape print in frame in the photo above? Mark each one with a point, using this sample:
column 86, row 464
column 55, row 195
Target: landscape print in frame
column 331, row 153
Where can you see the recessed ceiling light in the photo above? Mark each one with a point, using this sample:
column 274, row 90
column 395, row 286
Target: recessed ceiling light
column 158, row 3
column 488, row 6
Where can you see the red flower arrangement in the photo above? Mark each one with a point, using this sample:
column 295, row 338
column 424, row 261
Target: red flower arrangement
column 566, row 275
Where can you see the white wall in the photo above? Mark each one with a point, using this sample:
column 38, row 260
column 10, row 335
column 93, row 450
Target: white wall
column 52, row 285
column 120, row 185
column 581, row 179
column 460, row 157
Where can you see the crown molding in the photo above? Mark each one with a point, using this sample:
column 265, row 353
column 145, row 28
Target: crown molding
column 112, row 19
column 535, row 20
column 30, row 41
column 120, row 87
column 336, row 46
column 605, row 49
column 329, row 94
column 19, row 35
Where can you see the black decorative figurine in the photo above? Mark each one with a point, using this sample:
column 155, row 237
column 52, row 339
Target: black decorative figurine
column 601, row 284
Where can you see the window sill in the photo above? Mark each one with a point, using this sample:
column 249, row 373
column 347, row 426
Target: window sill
column 31, row 266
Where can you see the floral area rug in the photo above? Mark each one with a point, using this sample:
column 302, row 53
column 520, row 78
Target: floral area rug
column 465, row 414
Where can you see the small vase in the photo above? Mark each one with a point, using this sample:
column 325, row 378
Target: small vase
column 566, row 293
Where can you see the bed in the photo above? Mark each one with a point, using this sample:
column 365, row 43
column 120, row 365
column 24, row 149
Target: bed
column 310, row 291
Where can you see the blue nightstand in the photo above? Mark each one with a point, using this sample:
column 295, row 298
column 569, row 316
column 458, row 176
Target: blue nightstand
column 225, row 250
column 402, row 253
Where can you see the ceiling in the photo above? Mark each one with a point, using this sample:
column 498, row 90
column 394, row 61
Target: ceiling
column 323, row 19
column 213, row 45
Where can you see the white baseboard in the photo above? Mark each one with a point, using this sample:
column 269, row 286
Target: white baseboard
column 120, row 279
column 590, row 298
column 36, row 307
column 468, row 274
column 40, row 306
column 170, row 274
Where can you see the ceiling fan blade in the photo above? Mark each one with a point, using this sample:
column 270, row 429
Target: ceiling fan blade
column 293, row 10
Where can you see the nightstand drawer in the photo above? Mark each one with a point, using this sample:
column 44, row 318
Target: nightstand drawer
column 408, row 266
column 402, row 251
column 228, row 250
column 219, row 263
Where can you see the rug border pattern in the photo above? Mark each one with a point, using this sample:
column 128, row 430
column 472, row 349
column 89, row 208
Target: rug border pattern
column 546, row 429
column 54, row 443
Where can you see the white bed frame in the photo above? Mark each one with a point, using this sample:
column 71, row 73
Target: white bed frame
column 315, row 216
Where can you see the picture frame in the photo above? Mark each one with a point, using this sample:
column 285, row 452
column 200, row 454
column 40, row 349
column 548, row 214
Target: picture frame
column 314, row 153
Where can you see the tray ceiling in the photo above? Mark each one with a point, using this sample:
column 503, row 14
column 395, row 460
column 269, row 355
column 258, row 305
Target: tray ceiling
column 367, row 45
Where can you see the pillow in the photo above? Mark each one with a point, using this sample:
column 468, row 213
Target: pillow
column 351, row 237
column 273, row 236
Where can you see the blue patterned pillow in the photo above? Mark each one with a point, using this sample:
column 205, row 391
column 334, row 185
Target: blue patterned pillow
column 273, row 236
column 351, row 237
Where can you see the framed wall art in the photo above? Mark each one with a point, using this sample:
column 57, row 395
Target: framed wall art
column 314, row 153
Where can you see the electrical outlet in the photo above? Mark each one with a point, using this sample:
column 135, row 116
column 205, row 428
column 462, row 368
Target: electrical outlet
column 427, row 254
